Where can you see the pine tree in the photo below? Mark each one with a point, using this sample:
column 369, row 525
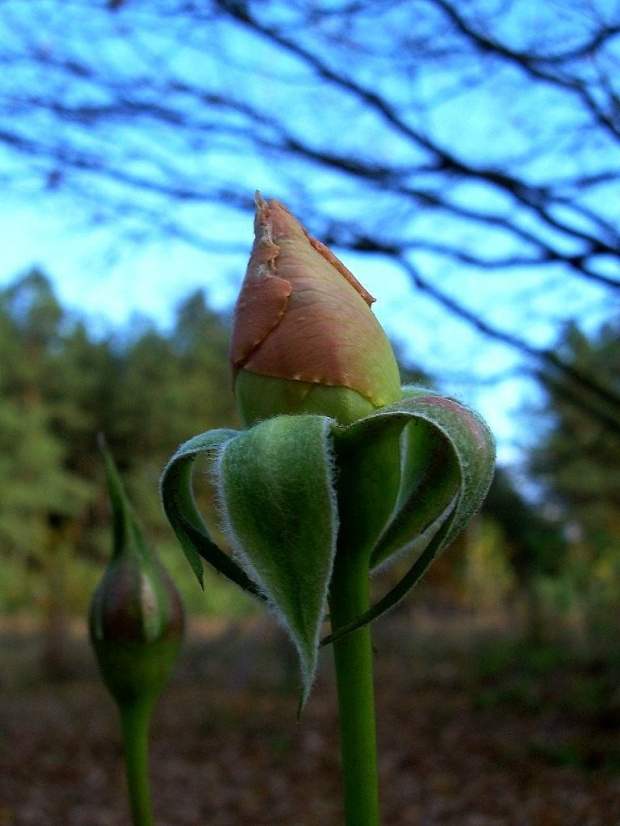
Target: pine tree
column 579, row 458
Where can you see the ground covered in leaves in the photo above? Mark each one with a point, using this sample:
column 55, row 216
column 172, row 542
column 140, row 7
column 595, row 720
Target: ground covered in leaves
column 474, row 729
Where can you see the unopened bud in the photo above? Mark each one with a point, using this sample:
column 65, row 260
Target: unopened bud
column 304, row 337
column 136, row 616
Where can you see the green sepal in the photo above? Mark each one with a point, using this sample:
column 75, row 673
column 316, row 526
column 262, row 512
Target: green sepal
column 186, row 520
column 448, row 467
column 429, row 486
column 277, row 499
column 127, row 535
column 368, row 459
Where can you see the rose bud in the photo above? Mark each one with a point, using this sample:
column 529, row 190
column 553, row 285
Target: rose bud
column 304, row 337
column 136, row 615
column 136, row 628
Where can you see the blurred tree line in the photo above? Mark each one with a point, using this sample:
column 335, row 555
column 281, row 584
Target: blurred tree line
column 149, row 390
column 61, row 386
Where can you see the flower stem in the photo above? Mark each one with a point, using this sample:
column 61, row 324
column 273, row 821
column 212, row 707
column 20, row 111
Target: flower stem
column 135, row 721
column 349, row 597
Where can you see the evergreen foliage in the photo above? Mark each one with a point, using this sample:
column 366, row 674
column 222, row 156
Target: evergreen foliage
column 60, row 387
column 579, row 459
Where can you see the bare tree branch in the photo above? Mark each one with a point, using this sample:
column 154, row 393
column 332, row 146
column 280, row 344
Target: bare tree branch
column 439, row 134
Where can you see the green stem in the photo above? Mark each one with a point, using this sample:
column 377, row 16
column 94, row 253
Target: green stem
column 349, row 597
column 135, row 722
